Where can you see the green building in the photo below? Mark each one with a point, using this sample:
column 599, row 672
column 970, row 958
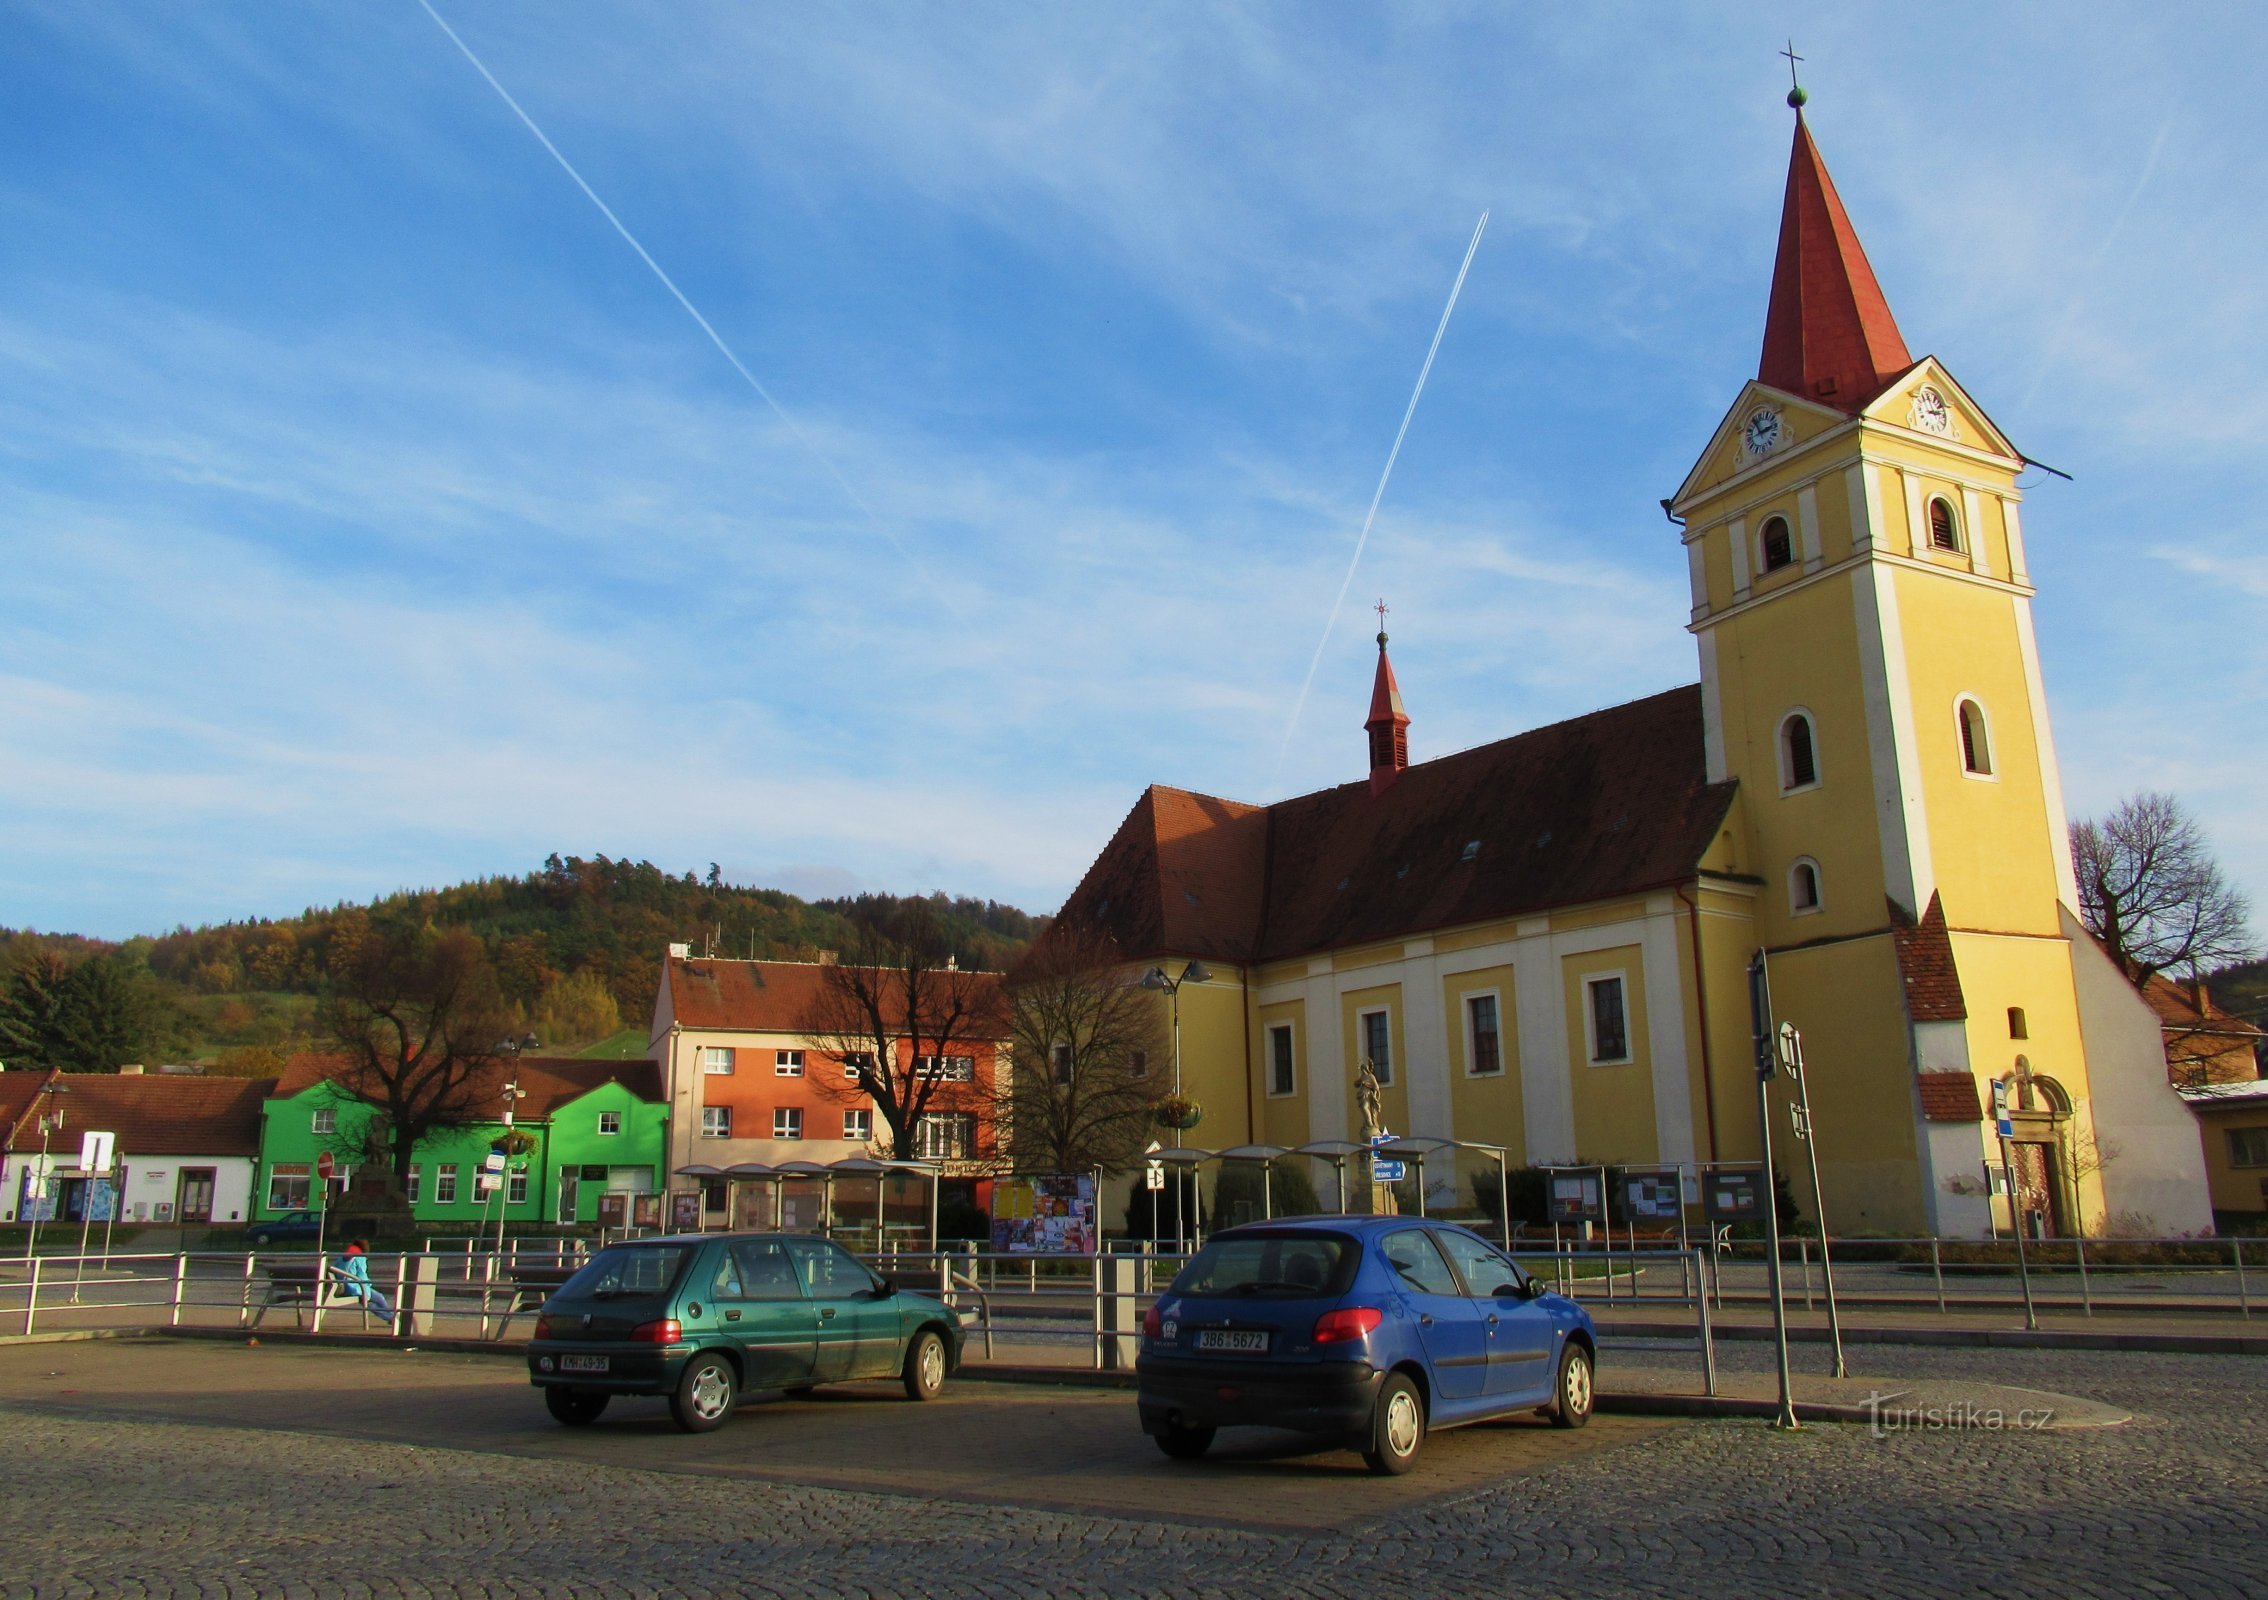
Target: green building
column 587, row 1127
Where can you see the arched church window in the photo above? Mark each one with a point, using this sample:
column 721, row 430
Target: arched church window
column 1976, row 740
column 1944, row 532
column 1799, row 759
column 1779, row 546
column 1803, row 886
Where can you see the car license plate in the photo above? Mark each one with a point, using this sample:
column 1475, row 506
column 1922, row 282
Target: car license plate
column 1245, row 1341
column 582, row 1363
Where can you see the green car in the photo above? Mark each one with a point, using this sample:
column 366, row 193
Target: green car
column 705, row 1319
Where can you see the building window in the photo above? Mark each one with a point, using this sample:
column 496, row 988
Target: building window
column 1487, row 1055
column 1778, row 544
column 787, row 1122
column 1976, row 740
column 1138, row 1064
column 716, row 1059
column 1944, row 532
column 945, row 1136
column 1799, row 756
column 416, row 1179
column 716, row 1122
column 609, row 1124
column 445, row 1185
column 856, row 1062
column 787, row 1063
column 1803, row 886
column 1610, row 1023
column 2248, row 1147
column 516, row 1189
column 1059, row 1060
column 326, row 1120
column 287, row 1186
column 946, row 1069
column 1378, row 1044
column 1282, row 1077
column 858, row 1124
column 2018, row 1028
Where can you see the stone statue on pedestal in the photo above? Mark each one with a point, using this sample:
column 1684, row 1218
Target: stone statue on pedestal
column 1378, row 1198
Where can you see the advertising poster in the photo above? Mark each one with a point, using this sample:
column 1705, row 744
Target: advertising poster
column 1045, row 1216
column 1733, row 1196
column 614, row 1210
column 685, row 1211
column 1576, row 1197
column 645, row 1210
column 1651, row 1196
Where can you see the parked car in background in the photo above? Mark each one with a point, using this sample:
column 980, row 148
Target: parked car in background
column 293, row 1227
column 707, row 1319
column 1370, row 1330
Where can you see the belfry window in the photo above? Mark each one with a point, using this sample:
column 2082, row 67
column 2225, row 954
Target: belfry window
column 1778, row 544
column 1944, row 532
column 1803, row 886
column 1976, row 740
column 1799, row 760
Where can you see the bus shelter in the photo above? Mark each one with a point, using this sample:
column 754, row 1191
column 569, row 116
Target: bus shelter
column 778, row 1175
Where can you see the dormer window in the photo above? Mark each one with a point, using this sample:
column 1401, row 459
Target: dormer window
column 1778, row 544
column 1799, row 760
column 1944, row 532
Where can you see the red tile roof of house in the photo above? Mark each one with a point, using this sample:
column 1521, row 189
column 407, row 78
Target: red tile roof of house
column 1949, row 1097
column 1604, row 805
column 2178, row 1007
column 162, row 1114
column 546, row 1082
column 1828, row 335
column 761, row 996
column 1925, row 962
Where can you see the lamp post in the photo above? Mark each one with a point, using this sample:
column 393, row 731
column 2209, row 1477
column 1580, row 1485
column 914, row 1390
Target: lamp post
column 1156, row 978
column 513, row 1094
column 49, row 1119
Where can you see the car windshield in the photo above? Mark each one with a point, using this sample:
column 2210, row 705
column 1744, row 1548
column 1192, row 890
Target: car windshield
column 1306, row 1266
column 624, row 1271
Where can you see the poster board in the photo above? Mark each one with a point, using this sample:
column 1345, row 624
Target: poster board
column 1053, row 1215
column 1577, row 1196
column 645, row 1210
column 614, row 1209
column 1733, row 1194
column 1652, row 1194
column 685, row 1211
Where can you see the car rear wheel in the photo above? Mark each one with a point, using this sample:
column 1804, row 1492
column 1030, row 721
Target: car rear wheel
column 1185, row 1444
column 1397, row 1426
column 704, row 1395
column 925, row 1366
column 1571, row 1398
column 578, row 1408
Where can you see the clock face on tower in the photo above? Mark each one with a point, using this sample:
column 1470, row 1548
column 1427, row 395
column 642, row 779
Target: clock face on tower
column 1930, row 413
column 1764, row 431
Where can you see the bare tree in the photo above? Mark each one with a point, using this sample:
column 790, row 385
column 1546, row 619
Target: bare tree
column 417, row 1015
column 899, row 984
column 1085, row 1041
column 2150, row 889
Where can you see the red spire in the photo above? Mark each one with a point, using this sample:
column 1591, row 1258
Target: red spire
column 1389, row 724
column 1829, row 335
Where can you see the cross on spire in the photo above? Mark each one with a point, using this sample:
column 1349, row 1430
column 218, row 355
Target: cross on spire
column 1796, row 96
column 1380, row 608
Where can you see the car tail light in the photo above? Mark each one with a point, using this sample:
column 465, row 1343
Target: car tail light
column 1346, row 1324
column 667, row 1331
column 543, row 1327
column 1153, row 1324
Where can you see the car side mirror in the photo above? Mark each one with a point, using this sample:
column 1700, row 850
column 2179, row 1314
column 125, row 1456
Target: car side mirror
column 885, row 1287
column 1532, row 1288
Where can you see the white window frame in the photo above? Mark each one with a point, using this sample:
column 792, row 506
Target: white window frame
column 1781, row 761
column 1290, row 1032
column 715, row 1126
column 1591, row 1054
column 787, row 1122
column 515, row 1188
column 299, row 1172
column 609, row 1124
column 858, row 1123
column 1960, row 544
column 1472, row 1034
column 416, row 1181
column 324, row 1120
column 946, row 1069
column 1796, row 908
column 787, row 1063
column 445, row 1184
column 854, row 1060
column 933, row 1140
column 718, row 1060
column 1362, row 1041
column 1991, row 774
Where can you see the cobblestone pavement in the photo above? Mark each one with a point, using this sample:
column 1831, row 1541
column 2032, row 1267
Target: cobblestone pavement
column 102, row 1501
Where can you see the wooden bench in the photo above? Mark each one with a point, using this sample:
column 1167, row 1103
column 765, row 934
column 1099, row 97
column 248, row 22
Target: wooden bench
column 293, row 1284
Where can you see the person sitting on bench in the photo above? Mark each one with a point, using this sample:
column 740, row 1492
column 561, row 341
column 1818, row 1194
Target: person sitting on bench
column 352, row 1273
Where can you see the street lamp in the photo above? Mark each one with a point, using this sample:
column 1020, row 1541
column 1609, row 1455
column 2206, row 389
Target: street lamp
column 1155, row 978
column 50, row 1117
column 513, row 1094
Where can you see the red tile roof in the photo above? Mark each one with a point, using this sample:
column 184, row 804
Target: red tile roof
column 547, row 1082
column 1925, row 962
column 163, row 1114
column 1949, row 1097
column 2178, row 1007
column 754, row 996
column 1828, row 335
column 1603, row 805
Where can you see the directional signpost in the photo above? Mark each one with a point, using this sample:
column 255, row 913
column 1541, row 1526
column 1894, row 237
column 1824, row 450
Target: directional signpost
column 325, row 1165
column 1791, row 1057
column 1760, row 1040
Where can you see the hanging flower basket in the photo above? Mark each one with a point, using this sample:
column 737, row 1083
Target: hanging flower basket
column 1177, row 1111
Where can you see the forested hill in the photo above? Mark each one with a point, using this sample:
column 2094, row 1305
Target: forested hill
column 577, row 946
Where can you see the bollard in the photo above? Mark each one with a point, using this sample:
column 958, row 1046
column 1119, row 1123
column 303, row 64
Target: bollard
column 1708, row 1338
column 2079, row 1251
column 1116, row 1314
column 1937, row 1271
column 31, row 1295
column 180, row 1285
column 422, row 1293
column 244, row 1307
column 2243, row 1296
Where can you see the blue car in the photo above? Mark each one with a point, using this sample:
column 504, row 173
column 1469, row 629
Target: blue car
column 1367, row 1330
column 291, row 1226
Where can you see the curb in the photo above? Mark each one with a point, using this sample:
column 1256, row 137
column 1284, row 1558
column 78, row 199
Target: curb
column 71, row 1335
column 516, row 1350
column 2199, row 1344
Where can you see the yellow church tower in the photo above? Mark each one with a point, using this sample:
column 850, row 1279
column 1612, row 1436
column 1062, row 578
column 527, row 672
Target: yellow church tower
column 1862, row 603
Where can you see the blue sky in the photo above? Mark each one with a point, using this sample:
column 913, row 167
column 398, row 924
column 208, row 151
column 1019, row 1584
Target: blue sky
column 371, row 517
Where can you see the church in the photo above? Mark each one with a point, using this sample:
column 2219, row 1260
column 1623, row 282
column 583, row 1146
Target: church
column 1542, row 943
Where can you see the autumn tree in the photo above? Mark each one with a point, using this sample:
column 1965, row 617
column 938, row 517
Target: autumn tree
column 2151, row 891
column 89, row 1013
column 899, row 985
column 416, row 1016
column 1084, row 1043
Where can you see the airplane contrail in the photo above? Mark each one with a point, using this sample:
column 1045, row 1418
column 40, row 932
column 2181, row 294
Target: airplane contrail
column 670, row 284
column 1379, row 494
